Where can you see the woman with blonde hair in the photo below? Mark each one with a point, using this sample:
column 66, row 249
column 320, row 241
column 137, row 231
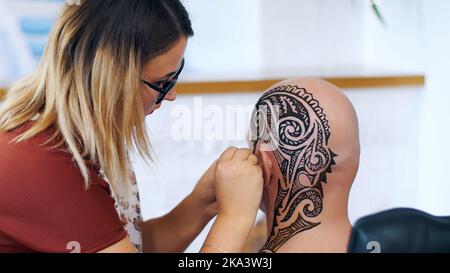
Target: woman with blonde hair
column 66, row 183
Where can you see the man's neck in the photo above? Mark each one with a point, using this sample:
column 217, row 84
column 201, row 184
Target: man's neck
column 304, row 222
column 330, row 236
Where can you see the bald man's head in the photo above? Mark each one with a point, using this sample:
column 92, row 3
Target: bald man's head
column 305, row 132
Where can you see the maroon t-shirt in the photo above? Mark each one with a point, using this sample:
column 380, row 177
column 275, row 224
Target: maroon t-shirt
column 44, row 206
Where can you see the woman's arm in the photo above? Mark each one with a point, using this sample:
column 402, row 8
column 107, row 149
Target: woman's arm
column 176, row 230
column 123, row 246
column 233, row 187
column 228, row 235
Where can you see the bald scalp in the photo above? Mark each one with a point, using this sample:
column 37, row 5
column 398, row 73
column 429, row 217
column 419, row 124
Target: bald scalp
column 294, row 120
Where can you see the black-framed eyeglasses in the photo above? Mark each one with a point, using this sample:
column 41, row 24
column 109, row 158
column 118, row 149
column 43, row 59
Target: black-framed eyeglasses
column 164, row 87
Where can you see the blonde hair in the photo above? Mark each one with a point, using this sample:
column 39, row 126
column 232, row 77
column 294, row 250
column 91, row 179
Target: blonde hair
column 87, row 85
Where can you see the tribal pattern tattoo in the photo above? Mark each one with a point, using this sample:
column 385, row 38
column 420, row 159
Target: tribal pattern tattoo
column 290, row 121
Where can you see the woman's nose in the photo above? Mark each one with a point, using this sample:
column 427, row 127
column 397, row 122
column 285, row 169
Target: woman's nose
column 172, row 95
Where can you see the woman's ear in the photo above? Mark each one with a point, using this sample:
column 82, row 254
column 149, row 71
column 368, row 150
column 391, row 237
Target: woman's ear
column 266, row 165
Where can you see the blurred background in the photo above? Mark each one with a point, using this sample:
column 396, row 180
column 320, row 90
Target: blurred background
column 394, row 70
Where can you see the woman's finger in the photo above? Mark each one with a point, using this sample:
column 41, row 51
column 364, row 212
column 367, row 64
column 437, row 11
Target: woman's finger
column 253, row 159
column 242, row 153
column 229, row 153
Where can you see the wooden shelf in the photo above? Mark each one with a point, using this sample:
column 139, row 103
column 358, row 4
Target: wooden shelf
column 245, row 86
column 2, row 93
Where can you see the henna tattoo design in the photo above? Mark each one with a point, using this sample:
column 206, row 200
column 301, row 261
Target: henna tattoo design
column 291, row 121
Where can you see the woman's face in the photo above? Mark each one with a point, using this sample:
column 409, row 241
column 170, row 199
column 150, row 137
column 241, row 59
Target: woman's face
column 161, row 68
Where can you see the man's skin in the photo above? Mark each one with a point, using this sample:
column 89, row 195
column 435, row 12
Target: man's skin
column 309, row 153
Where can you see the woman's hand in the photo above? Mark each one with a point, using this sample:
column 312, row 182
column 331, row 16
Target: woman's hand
column 204, row 195
column 237, row 174
column 239, row 184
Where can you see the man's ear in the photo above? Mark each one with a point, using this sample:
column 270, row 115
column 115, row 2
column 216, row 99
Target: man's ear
column 266, row 164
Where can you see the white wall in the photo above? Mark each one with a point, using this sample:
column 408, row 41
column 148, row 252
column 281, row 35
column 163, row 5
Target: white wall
column 16, row 59
column 388, row 173
column 435, row 118
column 255, row 35
column 400, row 44
column 227, row 36
column 416, row 38
column 312, row 34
